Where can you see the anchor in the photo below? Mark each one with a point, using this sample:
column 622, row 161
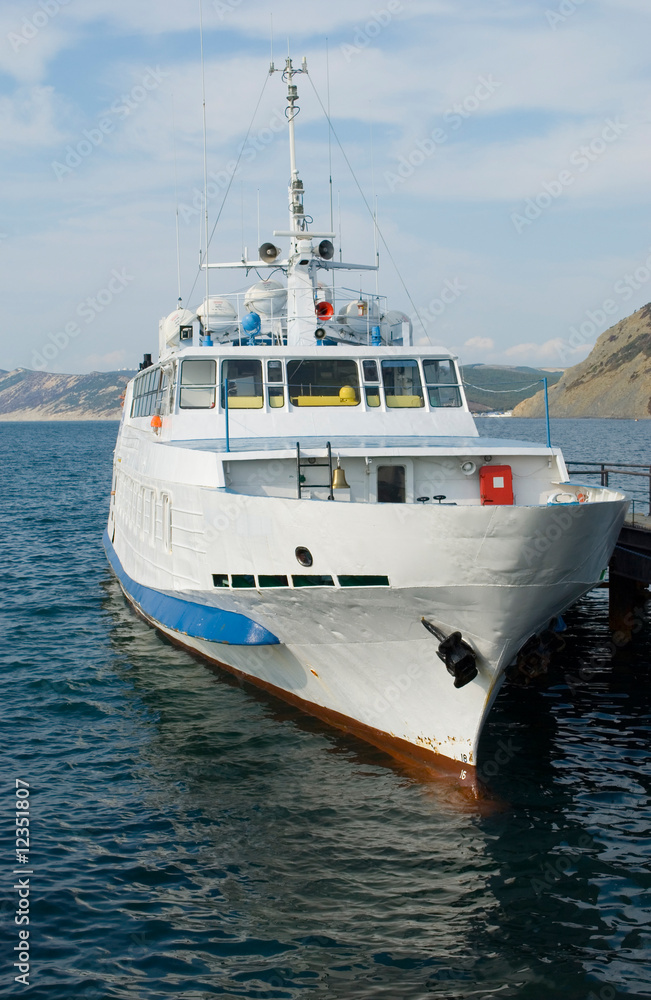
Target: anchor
column 458, row 656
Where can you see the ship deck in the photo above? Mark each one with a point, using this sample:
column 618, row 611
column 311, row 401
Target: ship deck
column 284, row 447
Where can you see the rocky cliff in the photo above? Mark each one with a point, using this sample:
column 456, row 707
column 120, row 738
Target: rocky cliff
column 29, row 395
column 613, row 381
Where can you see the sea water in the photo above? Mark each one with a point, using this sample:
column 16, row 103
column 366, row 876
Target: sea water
column 191, row 838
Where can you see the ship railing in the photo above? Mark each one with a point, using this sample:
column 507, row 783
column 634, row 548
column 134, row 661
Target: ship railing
column 373, row 306
column 615, row 475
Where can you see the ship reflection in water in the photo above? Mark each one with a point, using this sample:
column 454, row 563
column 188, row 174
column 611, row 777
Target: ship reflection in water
column 347, row 867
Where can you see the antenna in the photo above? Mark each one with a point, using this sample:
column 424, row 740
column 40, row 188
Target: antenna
column 272, row 68
column 205, row 145
column 176, row 200
column 329, row 134
column 374, row 197
column 377, row 249
column 242, row 215
column 332, row 222
column 339, row 214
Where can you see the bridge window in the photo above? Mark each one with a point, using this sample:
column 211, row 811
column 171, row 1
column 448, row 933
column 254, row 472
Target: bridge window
column 323, row 383
column 149, row 393
column 441, row 381
column 244, row 384
column 276, row 392
column 371, row 376
column 402, row 385
column 197, row 385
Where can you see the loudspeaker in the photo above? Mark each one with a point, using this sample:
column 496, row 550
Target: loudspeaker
column 326, row 250
column 268, row 252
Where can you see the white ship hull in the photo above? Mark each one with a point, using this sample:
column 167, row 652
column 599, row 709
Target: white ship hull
column 232, row 530
column 359, row 657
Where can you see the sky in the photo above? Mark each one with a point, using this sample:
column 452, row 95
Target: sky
column 504, row 142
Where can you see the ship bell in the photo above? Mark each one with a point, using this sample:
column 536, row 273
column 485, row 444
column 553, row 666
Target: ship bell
column 339, row 479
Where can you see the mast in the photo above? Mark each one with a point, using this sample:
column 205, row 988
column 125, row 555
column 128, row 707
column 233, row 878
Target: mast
column 301, row 314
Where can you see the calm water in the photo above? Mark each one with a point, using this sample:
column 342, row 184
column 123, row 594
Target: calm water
column 192, row 839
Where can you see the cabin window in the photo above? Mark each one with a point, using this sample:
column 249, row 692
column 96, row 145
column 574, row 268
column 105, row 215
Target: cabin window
column 441, row 381
column 369, row 370
column 244, row 384
column 275, row 392
column 370, row 374
column 391, row 484
column 197, row 385
column 167, row 522
column 149, row 392
column 402, row 385
column 323, row 383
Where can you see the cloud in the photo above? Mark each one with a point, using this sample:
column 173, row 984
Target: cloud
column 480, row 343
column 29, row 118
column 105, row 362
column 449, row 220
column 554, row 352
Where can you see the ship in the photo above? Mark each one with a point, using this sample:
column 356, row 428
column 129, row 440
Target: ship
column 300, row 495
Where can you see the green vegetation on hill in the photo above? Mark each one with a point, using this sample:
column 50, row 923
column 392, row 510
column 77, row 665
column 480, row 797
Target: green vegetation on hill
column 506, row 385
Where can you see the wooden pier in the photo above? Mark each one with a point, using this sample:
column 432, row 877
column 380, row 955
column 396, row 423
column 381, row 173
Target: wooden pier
column 629, row 570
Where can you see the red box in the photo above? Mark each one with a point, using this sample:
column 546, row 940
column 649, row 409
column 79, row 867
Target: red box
column 496, row 484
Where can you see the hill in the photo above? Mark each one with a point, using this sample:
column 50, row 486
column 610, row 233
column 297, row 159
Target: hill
column 613, row 381
column 498, row 387
column 30, row 395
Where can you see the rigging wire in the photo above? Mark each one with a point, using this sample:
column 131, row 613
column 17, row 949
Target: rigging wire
column 369, row 209
column 204, row 257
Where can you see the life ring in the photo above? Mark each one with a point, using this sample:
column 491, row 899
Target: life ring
column 562, row 497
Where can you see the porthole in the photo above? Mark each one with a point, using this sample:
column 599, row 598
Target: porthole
column 303, row 556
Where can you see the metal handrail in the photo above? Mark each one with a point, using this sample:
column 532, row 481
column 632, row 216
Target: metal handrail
column 605, row 469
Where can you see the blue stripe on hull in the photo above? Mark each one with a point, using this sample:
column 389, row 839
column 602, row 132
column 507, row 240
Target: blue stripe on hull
column 197, row 620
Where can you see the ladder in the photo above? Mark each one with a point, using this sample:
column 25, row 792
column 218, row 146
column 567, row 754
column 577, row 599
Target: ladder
column 312, row 464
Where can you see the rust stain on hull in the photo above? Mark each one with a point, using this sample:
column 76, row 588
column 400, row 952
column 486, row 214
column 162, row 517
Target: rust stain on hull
column 423, row 762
